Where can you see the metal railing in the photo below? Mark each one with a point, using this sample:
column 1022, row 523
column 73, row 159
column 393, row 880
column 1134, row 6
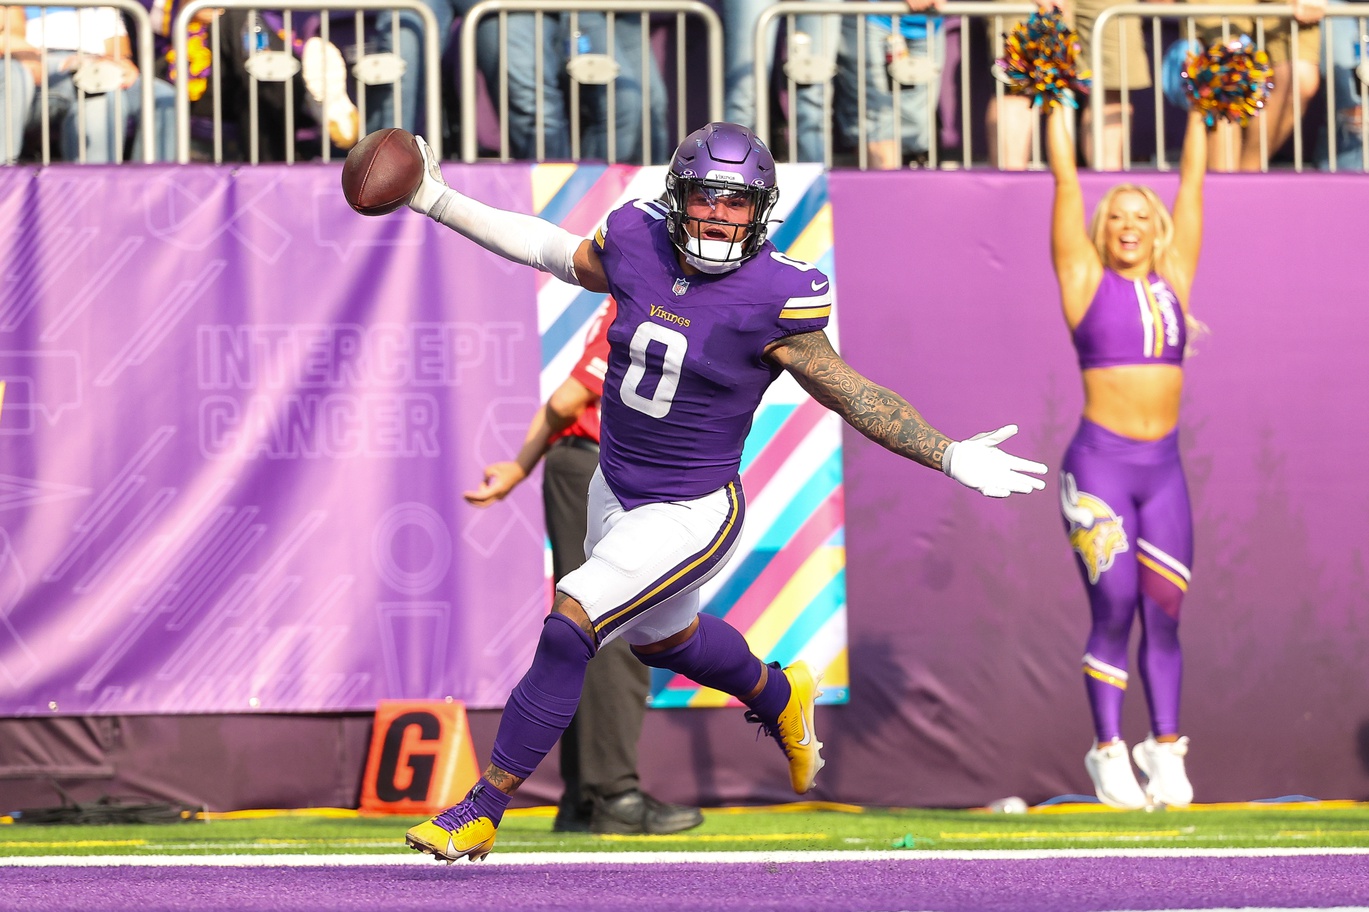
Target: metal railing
column 1002, row 15
column 613, row 9
column 142, row 23
column 1225, row 12
column 431, row 57
column 817, row 67
column 811, row 68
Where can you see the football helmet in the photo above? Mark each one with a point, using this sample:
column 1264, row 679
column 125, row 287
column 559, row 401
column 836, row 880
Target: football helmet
column 723, row 162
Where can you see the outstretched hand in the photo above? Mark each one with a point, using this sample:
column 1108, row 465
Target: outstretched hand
column 500, row 479
column 433, row 185
column 978, row 463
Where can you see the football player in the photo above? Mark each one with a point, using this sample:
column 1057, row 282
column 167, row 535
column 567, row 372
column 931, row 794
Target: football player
column 709, row 314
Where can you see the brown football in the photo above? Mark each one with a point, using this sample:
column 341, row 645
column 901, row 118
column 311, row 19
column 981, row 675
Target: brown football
column 382, row 171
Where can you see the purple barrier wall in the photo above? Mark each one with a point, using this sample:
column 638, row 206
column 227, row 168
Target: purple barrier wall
column 237, row 422
column 966, row 619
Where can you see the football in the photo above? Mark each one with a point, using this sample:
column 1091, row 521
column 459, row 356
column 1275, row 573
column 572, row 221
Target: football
column 382, row 171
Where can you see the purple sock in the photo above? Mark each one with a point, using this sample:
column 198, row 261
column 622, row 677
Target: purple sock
column 488, row 801
column 543, row 703
column 718, row 656
column 773, row 696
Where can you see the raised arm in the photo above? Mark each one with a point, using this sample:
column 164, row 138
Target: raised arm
column 515, row 236
column 1077, row 266
column 1188, row 204
column 558, row 413
column 889, row 420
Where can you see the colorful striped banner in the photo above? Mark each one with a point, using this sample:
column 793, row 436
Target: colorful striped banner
column 785, row 588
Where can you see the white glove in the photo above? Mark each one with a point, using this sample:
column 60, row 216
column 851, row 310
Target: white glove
column 978, row 463
column 431, row 189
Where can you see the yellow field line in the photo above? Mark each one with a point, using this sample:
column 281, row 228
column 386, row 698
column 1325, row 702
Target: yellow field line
column 805, row 807
column 796, row 807
column 264, row 813
column 1051, row 834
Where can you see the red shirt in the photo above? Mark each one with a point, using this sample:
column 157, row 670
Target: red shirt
column 590, row 370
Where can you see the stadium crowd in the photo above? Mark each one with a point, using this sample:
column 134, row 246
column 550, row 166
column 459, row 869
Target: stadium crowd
column 874, row 91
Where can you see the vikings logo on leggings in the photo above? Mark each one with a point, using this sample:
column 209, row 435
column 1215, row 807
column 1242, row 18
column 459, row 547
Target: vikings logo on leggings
column 1096, row 531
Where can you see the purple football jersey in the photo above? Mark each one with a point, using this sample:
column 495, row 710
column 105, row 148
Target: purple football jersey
column 686, row 370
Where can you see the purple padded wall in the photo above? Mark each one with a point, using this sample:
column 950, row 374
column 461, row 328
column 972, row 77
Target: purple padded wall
column 966, row 618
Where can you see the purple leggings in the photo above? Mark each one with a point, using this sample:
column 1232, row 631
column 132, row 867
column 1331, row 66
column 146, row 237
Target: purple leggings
column 1126, row 510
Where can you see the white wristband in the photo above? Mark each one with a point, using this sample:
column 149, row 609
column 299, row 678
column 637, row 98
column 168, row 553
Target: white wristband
column 946, row 458
column 521, row 238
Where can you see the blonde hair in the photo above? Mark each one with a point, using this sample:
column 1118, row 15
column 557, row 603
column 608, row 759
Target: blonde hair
column 1162, row 257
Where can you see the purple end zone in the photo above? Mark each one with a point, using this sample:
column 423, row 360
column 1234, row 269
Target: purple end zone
column 1003, row 885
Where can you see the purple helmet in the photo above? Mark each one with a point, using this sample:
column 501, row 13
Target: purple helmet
column 720, row 160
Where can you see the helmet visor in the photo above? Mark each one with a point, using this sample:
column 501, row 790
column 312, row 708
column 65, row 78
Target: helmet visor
column 719, row 210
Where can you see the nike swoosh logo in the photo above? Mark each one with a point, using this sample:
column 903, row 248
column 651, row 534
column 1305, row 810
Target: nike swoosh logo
column 819, row 286
column 803, row 720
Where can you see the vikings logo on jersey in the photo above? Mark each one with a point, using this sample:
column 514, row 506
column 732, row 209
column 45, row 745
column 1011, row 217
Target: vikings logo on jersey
column 1168, row 306
column 1096, row 531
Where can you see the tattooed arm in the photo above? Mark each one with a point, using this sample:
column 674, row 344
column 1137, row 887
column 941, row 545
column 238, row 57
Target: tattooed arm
column 879, row 413
column 886, row 418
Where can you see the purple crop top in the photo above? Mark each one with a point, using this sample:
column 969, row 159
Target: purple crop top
column 1131, row 321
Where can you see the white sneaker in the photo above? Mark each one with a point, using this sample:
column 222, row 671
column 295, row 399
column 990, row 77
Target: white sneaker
column 1163, row 763
column 325, row 84
column 1113, row 780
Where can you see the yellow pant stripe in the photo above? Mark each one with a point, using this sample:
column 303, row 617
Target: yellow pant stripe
column 1164, row 571
column 1106, row 678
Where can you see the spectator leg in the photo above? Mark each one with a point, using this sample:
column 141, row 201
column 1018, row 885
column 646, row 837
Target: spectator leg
column 813, row 119
column 520, row 57
column 380, row 100
column 739, row 28
column 1113, row 137
column 17, row 95
column 1011, row 116
column 1279, row 111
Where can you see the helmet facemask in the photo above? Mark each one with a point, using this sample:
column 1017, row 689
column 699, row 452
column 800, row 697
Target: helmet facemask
column 733, row 230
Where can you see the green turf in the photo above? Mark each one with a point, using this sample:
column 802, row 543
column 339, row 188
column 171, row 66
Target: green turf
column 771, row 829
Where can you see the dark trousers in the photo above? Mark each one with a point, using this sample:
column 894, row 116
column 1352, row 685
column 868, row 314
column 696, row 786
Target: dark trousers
column 599, row 749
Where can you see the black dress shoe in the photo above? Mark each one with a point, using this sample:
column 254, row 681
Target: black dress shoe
column 572, row 818
column 635, row 812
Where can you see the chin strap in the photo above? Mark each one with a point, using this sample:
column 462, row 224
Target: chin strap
column 716, row 264
column 711, row 267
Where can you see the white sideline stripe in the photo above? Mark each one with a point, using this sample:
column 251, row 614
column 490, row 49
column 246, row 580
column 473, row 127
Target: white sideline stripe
column 525, row 859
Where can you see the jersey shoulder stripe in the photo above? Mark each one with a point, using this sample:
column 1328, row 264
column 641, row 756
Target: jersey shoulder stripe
column 790, row 312
column 808, row 307
column 654, row 208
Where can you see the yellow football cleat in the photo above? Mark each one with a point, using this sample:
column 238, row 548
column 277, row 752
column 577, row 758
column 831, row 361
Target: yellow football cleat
column 454, row 834
column 794, row 729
